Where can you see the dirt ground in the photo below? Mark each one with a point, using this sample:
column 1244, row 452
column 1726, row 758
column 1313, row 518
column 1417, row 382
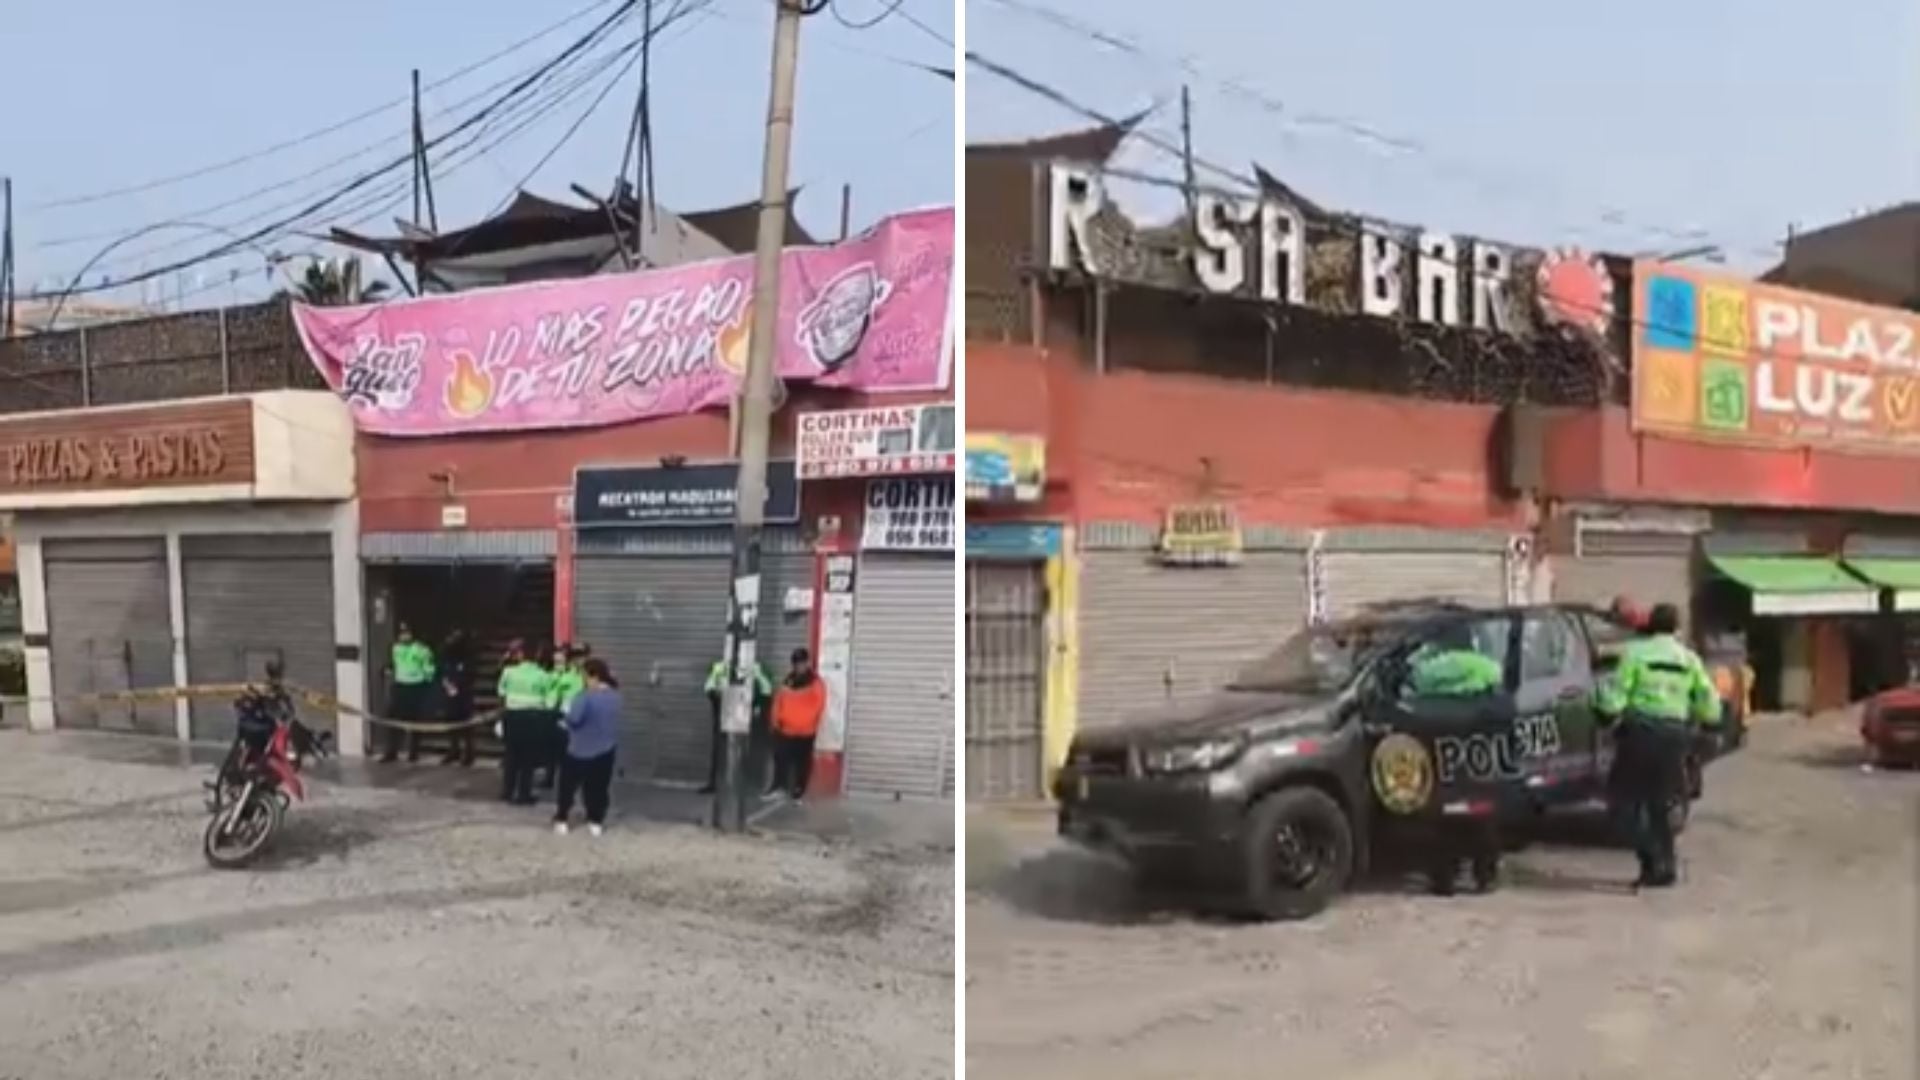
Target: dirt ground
column 1788, row 951
column 401, row 935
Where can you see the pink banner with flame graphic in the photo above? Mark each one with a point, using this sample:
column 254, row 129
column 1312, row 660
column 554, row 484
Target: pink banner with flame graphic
column 869, row 314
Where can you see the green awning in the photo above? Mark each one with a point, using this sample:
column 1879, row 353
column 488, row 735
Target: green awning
column 1799, row 585
column 1900, row 575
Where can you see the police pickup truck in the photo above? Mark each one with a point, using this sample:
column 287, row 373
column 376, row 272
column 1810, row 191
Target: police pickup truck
column 1278, row 789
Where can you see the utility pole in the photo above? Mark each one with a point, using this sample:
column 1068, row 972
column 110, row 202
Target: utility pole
column 1186, row 155
column 6, row 257
column 422, row 188
column 756, row 415
column 846, row 210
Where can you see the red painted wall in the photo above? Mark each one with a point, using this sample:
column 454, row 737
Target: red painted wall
column 1128, row 444
column 1016, row 390
column 512, row 481
column 1597, row 455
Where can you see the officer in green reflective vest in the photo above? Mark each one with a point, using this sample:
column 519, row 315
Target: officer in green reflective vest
column 717, row 685
column 1655, row 700
column 412, row 673
column 1450, row 666
column 526, row 724
column 568, row 682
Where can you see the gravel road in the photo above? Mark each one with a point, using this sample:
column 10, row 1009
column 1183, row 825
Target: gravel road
column 399, row 935
column 1787, row 952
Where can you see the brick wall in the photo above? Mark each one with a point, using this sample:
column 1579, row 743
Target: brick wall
column 196, row 354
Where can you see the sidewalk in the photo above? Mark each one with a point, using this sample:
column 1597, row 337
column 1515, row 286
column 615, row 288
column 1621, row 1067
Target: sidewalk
column 906, row 823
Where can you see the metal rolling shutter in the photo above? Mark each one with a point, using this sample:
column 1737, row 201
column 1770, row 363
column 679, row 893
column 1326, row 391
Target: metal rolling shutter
column 250, row 599
column 1006, row 679
column 900, row 718
column 657, row 613
column 1149, row 631
column 1356, row 579
column 1652, row 568
column 110, row 629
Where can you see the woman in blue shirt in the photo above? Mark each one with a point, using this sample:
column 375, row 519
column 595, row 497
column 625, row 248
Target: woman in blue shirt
column 593, row 734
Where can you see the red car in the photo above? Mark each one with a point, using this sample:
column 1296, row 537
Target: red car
column 1890, row 726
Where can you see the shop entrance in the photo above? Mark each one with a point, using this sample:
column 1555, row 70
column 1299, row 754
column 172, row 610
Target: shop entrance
column 494, row 602
column 1006, row 679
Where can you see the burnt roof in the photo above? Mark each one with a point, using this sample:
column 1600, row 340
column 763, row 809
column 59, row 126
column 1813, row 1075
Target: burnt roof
column 1095, row 144
column 738, row 226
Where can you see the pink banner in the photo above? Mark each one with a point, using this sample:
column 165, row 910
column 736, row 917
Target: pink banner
column 871, row 314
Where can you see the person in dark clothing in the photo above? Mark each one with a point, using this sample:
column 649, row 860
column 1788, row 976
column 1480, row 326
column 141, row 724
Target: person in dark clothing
column 798, row 707
column 593, row 735
column 456, row 687
column 554, row 748
column 411, row 670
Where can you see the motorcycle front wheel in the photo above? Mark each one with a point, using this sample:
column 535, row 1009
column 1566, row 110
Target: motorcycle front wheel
column 237, row 836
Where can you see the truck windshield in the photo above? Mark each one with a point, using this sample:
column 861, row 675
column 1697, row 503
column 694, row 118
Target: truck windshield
column 1320, row 659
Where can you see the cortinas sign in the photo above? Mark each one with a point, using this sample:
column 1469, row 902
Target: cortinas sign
column 897, row 440
column 1264, row 249
column 910, row 514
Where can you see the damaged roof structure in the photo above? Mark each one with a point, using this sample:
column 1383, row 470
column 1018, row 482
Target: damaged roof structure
column 534, row 238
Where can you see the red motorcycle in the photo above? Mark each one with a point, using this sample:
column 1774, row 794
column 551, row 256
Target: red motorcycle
column 259, row 779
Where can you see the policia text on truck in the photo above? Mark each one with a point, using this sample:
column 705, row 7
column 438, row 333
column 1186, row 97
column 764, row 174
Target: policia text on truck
column 1426, row 722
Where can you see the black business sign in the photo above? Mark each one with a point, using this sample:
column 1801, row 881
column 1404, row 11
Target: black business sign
column 687, row 495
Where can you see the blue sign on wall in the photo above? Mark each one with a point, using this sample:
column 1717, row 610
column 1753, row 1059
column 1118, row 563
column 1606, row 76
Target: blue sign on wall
column 1014, row 540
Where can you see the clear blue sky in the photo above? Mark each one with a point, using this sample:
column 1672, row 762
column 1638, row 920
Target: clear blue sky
column 105, row 93
column 1626, row 125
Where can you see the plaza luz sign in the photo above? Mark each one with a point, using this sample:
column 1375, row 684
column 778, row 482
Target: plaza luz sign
column 1258, row 248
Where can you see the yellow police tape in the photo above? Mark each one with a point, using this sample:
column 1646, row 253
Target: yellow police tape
column 300, row 694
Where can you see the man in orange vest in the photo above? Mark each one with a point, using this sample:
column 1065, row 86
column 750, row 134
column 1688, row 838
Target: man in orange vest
column 798, row 706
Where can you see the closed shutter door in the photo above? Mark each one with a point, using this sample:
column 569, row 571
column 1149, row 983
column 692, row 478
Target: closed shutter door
column 900, row 717
column 1006, row 679
column 1651, row 568
column 251, row 599
column 110, row 629
column 1357, row 579
column 1149, row 632
column 659, row 620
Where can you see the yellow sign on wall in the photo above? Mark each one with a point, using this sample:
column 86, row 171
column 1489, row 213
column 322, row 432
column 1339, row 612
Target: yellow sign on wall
column 1201, row 534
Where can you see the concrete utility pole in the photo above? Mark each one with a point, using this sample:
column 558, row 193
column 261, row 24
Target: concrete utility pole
column 756, row 415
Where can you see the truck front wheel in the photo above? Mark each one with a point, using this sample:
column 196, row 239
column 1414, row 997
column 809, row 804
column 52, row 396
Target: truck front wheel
column 1299, row 853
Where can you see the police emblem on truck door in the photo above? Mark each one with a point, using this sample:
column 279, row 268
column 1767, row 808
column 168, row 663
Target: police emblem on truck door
column 1402, row 774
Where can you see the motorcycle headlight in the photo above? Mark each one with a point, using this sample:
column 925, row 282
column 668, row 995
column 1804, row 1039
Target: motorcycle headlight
column 1202, row 756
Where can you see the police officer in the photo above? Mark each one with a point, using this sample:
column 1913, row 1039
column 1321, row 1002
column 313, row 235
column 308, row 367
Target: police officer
column 412, row 671
column 525, row 727
column 715, row 686
column 1450, row 666
column 568, row 682
column 1654, row 700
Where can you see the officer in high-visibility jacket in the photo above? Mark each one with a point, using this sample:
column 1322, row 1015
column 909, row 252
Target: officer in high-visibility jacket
column 1655, row 700
column 715, row 686
column 525, row 726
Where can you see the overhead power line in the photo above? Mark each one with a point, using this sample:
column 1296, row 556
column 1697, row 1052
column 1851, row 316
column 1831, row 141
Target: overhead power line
column 557, row 94
column 312, row 136
column 891, row 8
column 361, row 182
column 1357, row 130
